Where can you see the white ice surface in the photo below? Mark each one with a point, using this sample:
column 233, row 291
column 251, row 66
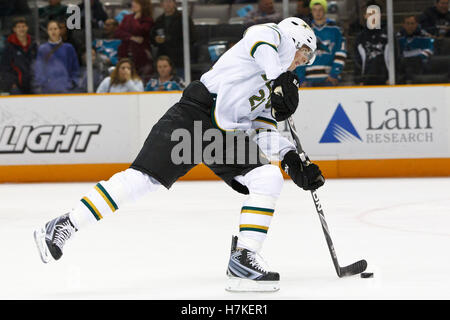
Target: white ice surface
column 175, row 244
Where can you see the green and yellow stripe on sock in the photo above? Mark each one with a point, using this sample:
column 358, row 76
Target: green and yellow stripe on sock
column 253, row 227
column 92, row 208
column 105, row 195
column 257, row 210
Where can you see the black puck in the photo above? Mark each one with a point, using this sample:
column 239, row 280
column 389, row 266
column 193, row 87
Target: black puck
column 367, row 275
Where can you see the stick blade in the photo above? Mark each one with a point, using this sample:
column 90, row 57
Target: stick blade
column 355, row 268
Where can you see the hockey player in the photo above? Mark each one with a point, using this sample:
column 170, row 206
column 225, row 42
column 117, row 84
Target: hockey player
column 234, row 96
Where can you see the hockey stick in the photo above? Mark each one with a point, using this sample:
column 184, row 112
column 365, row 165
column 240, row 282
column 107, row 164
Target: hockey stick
column 350, row 270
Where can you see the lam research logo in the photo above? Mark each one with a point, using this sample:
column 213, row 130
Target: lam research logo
column 340, row 129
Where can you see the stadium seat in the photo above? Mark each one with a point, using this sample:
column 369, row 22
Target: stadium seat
column 292, row 7
column 439, row 65
column 202, row 53
column 202, row 61
column 227, row 32
column 442, row 46
column 278, row 7
column 202, row 32
column 206, row 21
column 219, row 11
column 430, row 78
column 236, row 20
column 417, row 5
column 438, row 71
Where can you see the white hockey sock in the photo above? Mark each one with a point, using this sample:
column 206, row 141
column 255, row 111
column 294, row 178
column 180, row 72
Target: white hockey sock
column 256, row 215
column 265, row 184
column 106, row 197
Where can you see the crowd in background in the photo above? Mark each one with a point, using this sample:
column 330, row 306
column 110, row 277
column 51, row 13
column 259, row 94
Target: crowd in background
column 123, row 59
column 133, row 52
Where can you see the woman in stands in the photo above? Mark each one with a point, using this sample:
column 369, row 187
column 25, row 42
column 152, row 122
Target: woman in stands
column 57, row 68
column 166, row 79
column 124, row 78
column 134, row 31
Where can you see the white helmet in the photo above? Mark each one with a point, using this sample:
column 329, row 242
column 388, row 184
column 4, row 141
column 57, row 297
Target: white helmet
column 301, row 33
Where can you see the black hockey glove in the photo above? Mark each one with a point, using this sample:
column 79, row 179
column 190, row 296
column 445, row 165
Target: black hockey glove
column 307, row 177
column 284, row 101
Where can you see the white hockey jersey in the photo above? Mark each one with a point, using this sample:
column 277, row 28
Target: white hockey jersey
column 241, row 80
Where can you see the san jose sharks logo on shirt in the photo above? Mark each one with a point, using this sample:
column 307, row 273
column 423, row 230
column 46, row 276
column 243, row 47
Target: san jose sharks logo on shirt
column 324, row 46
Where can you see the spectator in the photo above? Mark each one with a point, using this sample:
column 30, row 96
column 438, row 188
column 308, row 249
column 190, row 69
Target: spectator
column 263, row 14
column 124, row 78
column 331, row 51
column 166, row 80
column 134, row 31
column 167, row 34
column 436, row 20
column 371, row 56
column 17, row 60
column 67, row 36
column 98, row 72
column 108, row 46
column 57, row 67
column 98, row 14
column 54, row 11
column 416, row 46
column 303, row 11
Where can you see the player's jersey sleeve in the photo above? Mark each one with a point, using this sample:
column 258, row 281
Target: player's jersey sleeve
column 262, row 42
column 269, row 140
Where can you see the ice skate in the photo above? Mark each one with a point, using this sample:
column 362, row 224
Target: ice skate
column 247, row 271
column 51, row 238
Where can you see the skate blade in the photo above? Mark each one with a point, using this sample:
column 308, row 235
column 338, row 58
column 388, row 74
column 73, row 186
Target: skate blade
column 235, row 284
column 39, row 238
